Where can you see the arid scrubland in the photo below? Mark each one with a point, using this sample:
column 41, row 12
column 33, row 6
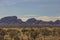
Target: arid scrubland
column 30, row 33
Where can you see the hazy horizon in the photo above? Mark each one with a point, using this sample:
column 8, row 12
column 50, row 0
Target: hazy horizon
column 44, row 18
column 25, row 9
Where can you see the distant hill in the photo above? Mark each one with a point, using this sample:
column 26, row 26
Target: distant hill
column 14, row 21
column 11, row 21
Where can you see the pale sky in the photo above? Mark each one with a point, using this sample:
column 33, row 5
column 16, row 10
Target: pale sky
column 40, row 9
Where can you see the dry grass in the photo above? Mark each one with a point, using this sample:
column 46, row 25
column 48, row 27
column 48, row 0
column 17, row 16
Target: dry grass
column 40, row 33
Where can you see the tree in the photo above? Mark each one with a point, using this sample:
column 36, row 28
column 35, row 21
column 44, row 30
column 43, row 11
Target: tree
column 16, row 38
column 58, row 32
column 54, row 32
column 46, row 32
column 2, row 34
column 31, row 33
column 26, row 32
column 12, row 33
column 34, row 34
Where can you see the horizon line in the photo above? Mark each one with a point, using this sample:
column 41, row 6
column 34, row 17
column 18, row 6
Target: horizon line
column 43, row 18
